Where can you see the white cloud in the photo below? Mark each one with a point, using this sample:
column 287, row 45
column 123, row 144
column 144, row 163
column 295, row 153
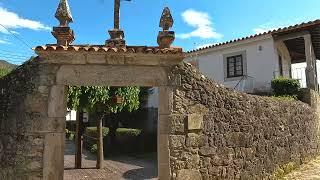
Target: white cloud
column 202, row 23
column 12, row 20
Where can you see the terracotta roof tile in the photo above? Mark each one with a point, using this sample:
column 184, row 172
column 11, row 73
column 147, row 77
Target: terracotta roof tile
column 101, row 48
column 296, row 27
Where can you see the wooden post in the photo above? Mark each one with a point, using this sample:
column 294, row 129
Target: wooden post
column 100, row 157
column 79, row 140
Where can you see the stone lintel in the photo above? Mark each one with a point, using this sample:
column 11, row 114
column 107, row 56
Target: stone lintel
column 195, row 122
column 109, row 58
column 107, row 75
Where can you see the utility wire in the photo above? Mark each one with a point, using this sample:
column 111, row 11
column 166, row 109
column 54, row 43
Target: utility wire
column 14, row 52
column 12, row 55
column 14, row 60
column 17, row 37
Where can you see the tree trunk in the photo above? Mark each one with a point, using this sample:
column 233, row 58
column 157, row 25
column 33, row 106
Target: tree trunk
column 79, row 140
column 100, row 157
column 112, row 131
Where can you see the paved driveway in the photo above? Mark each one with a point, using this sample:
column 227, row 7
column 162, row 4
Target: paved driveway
column 115, row 168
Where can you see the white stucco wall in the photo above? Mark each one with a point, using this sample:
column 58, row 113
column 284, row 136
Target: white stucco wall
column 261, row 63
column 71, row 115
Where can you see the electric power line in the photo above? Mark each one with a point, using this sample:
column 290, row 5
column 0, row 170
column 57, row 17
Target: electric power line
column 15, row 52
column 17, row 37
column 15, row 60
column 12, row 55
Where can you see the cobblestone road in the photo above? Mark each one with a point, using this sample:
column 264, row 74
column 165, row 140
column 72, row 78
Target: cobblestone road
column 309, row 171
column 116, row 168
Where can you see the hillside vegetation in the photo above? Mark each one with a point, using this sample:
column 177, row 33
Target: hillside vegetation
column 6, row 65
column 6, row 68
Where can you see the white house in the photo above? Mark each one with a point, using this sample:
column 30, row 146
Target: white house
column 249, row 64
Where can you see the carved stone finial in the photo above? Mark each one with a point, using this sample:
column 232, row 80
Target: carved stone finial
column 166, row 20
column 166, row 37
column 63, row 13
column 116, row 34
column 63, row 33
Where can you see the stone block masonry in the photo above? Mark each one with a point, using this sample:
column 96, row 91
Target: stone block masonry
column 24, row 122
column 217, row 133
column 20, row 150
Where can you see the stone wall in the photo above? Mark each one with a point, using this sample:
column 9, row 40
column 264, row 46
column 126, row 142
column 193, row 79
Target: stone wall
column 20, row 151
column 25, row 128
column 205, row 131
column 217, row 133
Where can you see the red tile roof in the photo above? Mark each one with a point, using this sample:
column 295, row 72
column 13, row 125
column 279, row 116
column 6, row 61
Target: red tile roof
column 288, row 29
column 102, row 48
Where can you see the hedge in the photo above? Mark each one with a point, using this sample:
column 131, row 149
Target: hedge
column 285, row 87
column 92, row 131
column 120, row 132
column 128, row 132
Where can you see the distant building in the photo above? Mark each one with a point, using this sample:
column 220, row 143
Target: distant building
column 249, row 64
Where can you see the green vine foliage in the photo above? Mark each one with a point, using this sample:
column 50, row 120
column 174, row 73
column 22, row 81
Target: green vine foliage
column 99, row 98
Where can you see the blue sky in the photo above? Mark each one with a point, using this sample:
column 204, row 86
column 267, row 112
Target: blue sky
column 197, row 22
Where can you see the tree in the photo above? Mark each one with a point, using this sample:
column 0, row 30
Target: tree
column 99, row 100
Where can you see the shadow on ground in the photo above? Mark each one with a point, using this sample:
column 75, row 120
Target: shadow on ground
column 145, row 173
column 119, row 167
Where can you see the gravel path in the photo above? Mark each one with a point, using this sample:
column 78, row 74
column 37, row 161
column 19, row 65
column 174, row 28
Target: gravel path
column 309, row 171
column 114, row 168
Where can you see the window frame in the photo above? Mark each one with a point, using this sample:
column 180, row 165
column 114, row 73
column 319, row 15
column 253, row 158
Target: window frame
column 235, row 70
column 227, row 77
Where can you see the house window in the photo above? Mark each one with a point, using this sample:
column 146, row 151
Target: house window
column 235, row 66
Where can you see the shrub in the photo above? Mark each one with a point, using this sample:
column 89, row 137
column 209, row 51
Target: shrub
column 70, row 135
column 128, row 132
column 92, row 131
column 94, row 148
column 285, row 87
column 124, row 135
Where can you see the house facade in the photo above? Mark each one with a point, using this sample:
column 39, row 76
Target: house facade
column 249, row 64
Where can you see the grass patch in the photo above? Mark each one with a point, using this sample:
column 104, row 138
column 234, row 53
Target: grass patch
column 283, row 170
